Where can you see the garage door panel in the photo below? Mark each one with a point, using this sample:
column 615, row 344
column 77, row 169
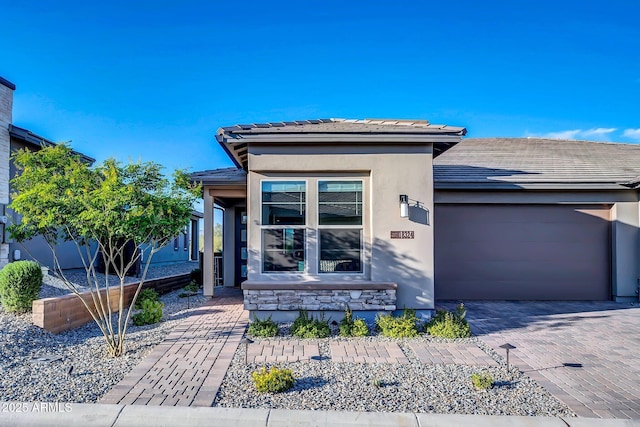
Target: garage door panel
column 552, row 252
column 554, row 255
column 500, row 270
column 525, row 290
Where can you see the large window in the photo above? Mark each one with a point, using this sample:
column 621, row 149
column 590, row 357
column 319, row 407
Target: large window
column 340, row 226
column 327, row 240
column 283, row 222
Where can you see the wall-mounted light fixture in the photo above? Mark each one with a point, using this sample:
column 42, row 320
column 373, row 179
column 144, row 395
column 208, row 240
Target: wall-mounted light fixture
column 404, row 206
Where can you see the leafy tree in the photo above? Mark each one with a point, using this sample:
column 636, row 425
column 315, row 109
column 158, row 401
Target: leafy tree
column 102, row 209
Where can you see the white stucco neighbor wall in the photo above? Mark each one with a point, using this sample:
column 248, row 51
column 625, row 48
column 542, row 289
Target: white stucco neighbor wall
column 388, row 171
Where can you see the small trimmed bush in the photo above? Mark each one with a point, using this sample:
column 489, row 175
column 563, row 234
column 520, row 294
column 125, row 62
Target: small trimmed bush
column 20, row 284
column 308, row 327
column 263, row 328
column 144, row 295
column 446, row 324
column 191, row 289
column 274, row 380
column 353, row 328
column 151, row 313
column 482, row 380
column 404, row 326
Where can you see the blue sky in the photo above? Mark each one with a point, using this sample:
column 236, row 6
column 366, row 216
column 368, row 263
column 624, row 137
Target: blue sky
column 153, row 80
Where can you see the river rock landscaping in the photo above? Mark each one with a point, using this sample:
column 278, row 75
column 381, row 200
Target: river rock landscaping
column 322, row 384
column 73, row 366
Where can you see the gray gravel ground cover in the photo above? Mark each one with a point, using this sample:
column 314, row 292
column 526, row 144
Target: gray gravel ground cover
column 414, row 387
column 26, row 378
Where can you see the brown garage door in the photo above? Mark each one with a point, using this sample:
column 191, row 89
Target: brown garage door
column 522, row 252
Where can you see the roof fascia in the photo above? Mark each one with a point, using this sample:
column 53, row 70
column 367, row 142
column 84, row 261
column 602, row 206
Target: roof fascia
column 29, row 137
column 224, row 144
column 340, row 138
column 528, row 186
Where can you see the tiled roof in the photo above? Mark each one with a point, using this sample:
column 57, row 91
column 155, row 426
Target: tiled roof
column 220, row 176
column 344, row 126
column 525, row 161
column 235, row 139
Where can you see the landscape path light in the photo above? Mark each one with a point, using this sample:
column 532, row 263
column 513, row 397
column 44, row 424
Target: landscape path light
column 246, row 341
column 508, row 347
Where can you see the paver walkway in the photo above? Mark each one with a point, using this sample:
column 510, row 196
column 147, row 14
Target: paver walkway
column 363, row 352
column 282, row 351
column 452, row 353
column 584, row 353
column 355, row 351
column 187, row 368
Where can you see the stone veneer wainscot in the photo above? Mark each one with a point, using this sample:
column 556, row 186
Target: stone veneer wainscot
column 320, row 296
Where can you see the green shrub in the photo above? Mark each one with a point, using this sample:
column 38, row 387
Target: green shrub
column 273, row 381
column 482, row 380
column 263, row 328
column 353, row 328
column 192, row 287
column 446, row 324
column 404, row 326
column 20, row 284
column 307, row 327
column 144, row 295
column 360, row 328
column 196, row 276
column 151, row 313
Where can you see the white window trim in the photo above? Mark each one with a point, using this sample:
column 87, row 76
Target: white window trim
column 304, row 227
column 355, row 274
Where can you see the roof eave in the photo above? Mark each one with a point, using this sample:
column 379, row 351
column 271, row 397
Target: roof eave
column 223, row 143
column 231, row 141
column 37, row 141
column 552, row 186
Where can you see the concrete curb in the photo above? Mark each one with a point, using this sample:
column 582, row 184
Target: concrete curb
column 105, row 415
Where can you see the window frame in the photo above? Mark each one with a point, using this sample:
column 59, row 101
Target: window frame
column 304, row 227
column 360, row 227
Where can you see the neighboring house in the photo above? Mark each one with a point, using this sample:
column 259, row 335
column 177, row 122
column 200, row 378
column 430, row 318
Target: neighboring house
column 13, row 138
column 184, row 246
column 37, row 248
column 375, row 215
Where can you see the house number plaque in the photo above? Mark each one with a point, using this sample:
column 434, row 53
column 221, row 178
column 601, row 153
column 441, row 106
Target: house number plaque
column 402, row 235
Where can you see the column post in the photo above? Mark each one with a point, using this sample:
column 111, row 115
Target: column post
column 207, row 262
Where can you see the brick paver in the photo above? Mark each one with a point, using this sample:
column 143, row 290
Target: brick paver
column 584, row 353
column 282, row 351
column 362, row 352
column 451, row 353
column 187, row 368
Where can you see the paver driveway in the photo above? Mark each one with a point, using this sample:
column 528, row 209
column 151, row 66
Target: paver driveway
column 587, row 354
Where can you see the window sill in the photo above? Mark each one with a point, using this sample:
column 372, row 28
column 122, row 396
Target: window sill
column 319, row 285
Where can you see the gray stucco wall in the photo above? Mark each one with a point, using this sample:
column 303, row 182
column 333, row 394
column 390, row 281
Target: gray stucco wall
column 625, row 223
column 387, row 172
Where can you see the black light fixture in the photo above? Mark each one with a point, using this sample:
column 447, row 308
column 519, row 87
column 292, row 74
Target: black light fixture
column 404, row 206
column 508, row 347
column 246, row 341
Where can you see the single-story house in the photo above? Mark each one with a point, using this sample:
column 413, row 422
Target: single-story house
column 379, row 215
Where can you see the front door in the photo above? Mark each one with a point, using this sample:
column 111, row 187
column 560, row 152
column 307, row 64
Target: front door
column 241, row 254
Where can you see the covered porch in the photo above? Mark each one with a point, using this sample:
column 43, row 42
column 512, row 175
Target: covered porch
column 225, row 189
